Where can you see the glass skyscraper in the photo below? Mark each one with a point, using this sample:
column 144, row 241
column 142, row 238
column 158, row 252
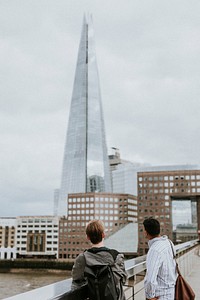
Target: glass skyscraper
column 85, row 163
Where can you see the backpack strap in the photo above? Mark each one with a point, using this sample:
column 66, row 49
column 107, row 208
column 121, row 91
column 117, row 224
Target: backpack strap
column 174, row 257
column 114, row 253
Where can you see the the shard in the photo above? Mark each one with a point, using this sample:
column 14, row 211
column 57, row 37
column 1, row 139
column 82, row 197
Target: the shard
column 85, row 163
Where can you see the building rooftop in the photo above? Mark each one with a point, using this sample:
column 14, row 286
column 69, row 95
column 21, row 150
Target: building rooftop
column 169, row 168
column 125, row 240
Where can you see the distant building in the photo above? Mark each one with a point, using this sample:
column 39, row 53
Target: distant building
column 124, row 173
column 85, row 162
column 158, row 187
column 114, row 159
column 185, row 233
column 56, row 201
column 7, row 238
column 37, row 237
column 86, row 189
column 124, row 179
column 115, row 210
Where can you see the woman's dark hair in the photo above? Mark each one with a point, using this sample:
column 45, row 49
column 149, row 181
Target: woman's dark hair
column 152, row 226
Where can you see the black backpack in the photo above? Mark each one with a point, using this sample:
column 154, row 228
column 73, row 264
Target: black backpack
column 101, row 282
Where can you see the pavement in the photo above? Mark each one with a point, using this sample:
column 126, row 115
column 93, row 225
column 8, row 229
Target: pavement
column 194, row 277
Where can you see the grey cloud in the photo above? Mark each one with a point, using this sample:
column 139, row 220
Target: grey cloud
column 148, row 58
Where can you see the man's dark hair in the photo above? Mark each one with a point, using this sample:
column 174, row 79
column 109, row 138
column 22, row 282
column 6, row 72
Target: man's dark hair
column 152, row 226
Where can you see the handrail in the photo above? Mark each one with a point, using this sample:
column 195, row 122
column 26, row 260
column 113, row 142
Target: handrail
column 62, row 290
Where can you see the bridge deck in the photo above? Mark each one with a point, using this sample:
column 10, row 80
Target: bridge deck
column 189, row 262
column 194, row 277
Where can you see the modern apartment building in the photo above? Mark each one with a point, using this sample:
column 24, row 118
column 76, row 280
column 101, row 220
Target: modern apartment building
column 37, row 236
column 7, row 238
column 115, row 210
column 158, row 187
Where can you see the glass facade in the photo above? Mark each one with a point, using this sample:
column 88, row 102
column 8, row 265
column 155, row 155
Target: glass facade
column 85, row 163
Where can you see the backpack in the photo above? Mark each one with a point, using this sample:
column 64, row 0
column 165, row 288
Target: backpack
column 101, row 282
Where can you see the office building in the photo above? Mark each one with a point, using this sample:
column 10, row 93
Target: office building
column 85, row 163
column 158, row 188
column 7, row 238
column 115, row 210
column 185, row 233
column 124, row 179
column 124, row 173
column 37, row 237
column 86, row 191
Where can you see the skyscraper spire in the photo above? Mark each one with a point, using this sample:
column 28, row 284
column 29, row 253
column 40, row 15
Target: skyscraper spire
column 85, row 163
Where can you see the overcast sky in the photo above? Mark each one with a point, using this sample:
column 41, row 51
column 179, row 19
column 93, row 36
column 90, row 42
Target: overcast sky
column 149, row 67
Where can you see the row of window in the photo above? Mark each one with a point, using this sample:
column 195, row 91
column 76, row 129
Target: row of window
column 81, row 200
column 160, row 217
column 24, row 241
column 169, row 184
column 88, row 218
column 7, row 227
column 48, row 249
column 92, row 211
column 36, row 231
column 169, row 178
column 37, row 226
column 154, row 197
column 162, row 210
column 36, row 221
column 167, row 191
column 91, row 205
column 48, row 236
column 161, row 203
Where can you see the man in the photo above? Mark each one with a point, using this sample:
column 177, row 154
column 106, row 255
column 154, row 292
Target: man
column 99, row 255
column 161, row 274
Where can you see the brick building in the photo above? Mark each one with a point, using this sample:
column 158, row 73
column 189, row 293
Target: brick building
column 115, row 210
column 157, row 188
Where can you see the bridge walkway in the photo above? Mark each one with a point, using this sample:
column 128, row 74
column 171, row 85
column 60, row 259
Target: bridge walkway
column 194, row 277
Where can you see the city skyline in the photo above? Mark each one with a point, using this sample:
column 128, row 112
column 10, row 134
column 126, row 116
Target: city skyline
column 149, row 68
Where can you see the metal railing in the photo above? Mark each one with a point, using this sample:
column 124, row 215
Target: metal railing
column 134, row 290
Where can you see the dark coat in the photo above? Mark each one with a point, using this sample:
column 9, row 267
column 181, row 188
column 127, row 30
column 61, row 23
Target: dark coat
column 98, row 256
